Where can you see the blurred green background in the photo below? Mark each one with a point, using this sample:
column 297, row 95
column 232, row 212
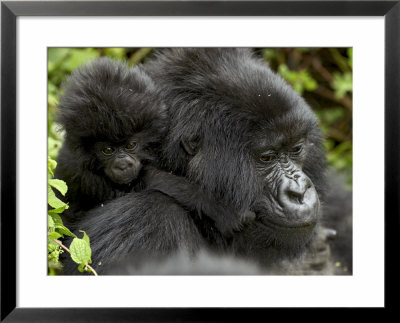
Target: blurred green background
column 323, row 76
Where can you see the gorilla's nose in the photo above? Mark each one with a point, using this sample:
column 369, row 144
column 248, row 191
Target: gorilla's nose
column 122, row 163
column 295, row 189
column 298, row 197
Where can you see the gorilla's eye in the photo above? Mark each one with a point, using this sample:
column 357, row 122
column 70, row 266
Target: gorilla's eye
column 296, row 149
column 108, row 151
column 267, row 158
column 132, row 145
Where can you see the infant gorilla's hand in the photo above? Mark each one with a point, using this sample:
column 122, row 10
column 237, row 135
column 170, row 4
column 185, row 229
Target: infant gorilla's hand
column 248, row 216
column 230, row 221
column 192, row 197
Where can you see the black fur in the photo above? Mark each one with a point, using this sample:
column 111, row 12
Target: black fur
column 106, row 104
column 230, row 102
column 105, row 101
column 223, row 105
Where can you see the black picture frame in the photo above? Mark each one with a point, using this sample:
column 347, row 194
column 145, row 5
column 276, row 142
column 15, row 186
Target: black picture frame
column 10, row 10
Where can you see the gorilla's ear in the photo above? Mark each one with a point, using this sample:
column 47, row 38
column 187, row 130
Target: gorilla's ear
column 190, row 146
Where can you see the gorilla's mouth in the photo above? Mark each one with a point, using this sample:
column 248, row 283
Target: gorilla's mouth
column 124, row 177
column 279, row 222
column 287, row 226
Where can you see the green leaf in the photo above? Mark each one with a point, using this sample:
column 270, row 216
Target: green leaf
column 59, row 226
column 85, row 237
column 64, row 230
column 53, row 200
column 59, row 185
column 56, row 219
column 50, row 223
column 80, row 251
column 51, row 165
column 54, row 235
column 58, row 210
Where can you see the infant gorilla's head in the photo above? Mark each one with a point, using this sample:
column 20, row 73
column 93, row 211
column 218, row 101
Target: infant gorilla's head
column 121, row 161
column 113, row 118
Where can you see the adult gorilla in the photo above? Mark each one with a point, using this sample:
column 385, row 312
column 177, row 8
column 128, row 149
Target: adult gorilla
column 242, row 134
column 238, row 130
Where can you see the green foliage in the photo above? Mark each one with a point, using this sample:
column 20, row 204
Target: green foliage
column 54, row 223
column 80, row 248
column 57, row 205
column 342, row 84
column 300, row 80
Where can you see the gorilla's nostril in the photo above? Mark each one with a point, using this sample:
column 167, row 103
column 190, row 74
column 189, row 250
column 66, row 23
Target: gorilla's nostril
column 296, row 197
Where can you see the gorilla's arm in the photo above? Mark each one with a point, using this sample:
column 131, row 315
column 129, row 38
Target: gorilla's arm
column 144, row 225
column 191, row 196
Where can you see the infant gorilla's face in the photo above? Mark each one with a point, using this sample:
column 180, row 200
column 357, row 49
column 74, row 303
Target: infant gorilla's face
column 120, row 161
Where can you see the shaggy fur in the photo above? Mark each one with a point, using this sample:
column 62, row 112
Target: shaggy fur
column 223, row 105
column 105, row 101
column 232, row 103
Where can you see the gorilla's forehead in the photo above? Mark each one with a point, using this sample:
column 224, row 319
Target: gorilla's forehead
column 278, row 139
column 283, row 129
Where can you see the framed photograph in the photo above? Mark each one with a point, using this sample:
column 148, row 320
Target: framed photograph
column 358, row 42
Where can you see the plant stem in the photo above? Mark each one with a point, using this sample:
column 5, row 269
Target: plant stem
column 66, row 249
column 91, row 269
column 61, row 245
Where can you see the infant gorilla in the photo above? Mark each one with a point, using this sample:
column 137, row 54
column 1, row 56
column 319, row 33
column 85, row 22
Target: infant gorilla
column 114, row 122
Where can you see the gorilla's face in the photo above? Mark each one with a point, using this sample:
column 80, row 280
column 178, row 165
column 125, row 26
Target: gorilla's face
column 119, row 161
column 288, row 203
column 261, row 169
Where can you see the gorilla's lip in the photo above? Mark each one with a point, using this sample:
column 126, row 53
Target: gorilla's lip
column 282, row 225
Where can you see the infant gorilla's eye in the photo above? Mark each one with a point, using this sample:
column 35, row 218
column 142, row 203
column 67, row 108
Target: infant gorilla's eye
column 267, row 158
column 108, row 150
column 132, row 145
column 296, row 149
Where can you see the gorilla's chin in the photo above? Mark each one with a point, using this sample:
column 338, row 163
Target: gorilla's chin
column 124, row 178
column 292, row 240
column 285, row 235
